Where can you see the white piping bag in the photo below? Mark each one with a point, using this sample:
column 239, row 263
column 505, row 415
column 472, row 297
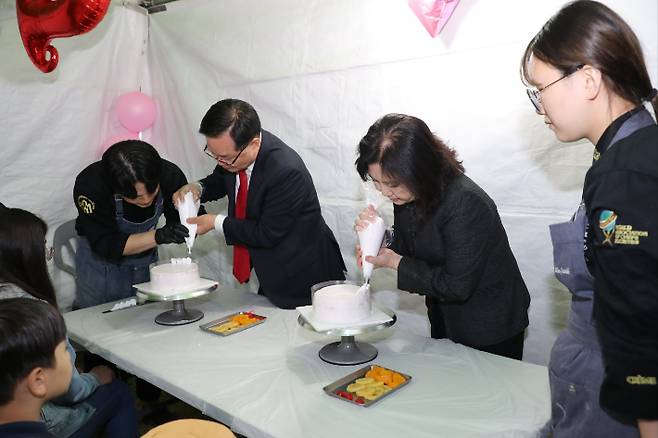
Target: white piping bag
column 187, row 209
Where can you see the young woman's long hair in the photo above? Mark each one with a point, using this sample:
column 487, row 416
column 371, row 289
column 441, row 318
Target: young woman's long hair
column 587, row 32
column 410, row 154
column 23, row 253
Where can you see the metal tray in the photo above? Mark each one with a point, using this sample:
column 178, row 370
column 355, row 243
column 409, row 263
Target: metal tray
column 208, row 327
column 341, row 385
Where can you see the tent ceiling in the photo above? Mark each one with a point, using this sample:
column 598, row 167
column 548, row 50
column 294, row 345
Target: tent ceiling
column 153, row 6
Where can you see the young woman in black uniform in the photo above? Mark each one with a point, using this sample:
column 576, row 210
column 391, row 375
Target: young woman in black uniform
column 589, row 81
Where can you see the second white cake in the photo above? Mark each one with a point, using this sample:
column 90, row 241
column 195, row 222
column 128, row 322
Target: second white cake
column 341, row 304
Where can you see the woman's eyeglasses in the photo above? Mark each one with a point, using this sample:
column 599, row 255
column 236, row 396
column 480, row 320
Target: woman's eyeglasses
column 535, row 93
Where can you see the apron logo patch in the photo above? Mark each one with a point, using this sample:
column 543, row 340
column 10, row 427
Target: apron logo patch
column 641, row 380
column 607, row 222
column 86, row 205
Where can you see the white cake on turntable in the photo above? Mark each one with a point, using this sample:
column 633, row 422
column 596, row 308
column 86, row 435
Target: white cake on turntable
column 180, row 273
column 342, row 304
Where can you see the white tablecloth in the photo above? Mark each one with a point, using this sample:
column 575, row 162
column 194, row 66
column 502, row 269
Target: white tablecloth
column 267, row 381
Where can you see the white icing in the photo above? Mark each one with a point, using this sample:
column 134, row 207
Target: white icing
column 180, row 273
column 341, row 304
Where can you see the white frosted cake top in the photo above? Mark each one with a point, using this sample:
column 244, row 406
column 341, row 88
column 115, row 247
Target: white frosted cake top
column 180, row 273
column 181, row 261
column 341, row 304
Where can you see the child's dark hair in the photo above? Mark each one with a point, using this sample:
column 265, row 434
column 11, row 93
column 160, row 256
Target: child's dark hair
column 30, row 331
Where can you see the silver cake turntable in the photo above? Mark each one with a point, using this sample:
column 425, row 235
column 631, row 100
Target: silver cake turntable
column 348, row 351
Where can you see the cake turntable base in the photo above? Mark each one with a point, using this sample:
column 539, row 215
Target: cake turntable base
column 348, row 351
column 179, row 315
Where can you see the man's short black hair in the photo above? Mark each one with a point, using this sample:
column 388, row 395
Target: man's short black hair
column 30, row 331
column 237, row 116
column 131, row 161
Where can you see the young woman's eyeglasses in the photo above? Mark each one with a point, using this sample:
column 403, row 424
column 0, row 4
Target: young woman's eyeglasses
column 535, row 93
column 221, row 160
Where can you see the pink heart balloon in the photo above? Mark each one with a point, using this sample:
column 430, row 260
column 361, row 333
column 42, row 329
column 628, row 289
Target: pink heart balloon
column 433, row 14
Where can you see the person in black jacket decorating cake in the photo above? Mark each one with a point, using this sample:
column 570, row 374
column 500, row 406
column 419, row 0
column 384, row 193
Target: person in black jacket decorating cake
column 448, row 242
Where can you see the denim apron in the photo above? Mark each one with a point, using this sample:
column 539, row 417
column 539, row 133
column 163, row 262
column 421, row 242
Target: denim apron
column 101, row 281
column 576, row 368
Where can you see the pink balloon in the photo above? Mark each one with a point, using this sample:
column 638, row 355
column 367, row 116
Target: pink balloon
column 126, row 135
column 136, row 111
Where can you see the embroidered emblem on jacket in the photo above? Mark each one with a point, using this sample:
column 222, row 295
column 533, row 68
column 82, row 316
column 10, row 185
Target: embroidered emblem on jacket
column 626, row 235
column 86, row 205
column 641, row 380
column 607, row 222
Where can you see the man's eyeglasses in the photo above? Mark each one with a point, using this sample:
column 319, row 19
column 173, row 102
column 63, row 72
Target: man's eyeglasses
column 221, row 160
column 535, row 93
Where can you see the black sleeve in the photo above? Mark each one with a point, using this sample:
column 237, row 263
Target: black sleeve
column 96, row 217
column 214, row 187
column 466, row 237
column 172, row 180
column 623, row 222
column 282, row 205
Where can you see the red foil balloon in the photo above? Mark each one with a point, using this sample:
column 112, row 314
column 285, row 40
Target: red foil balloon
column 39, row 21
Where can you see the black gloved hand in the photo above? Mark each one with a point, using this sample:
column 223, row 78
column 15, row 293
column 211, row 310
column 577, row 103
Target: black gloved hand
column 171, row 233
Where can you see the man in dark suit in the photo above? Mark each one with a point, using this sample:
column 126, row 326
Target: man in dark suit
column 274, row 220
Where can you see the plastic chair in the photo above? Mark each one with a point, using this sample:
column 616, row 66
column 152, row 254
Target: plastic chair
column 190, row 428
column 65, row 238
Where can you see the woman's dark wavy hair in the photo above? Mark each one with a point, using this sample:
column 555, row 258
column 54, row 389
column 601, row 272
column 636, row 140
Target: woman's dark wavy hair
column 23, row 253
column 587, row 32
column 131, row 161
column 30, row 331
column 410, row 154
column 237, row 116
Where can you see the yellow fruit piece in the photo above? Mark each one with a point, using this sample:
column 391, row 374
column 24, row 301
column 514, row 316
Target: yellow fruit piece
column 354, row 387
column 225, row 327
column 365, row 380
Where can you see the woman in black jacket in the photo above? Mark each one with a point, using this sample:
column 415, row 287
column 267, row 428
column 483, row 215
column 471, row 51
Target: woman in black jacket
column 449, row 243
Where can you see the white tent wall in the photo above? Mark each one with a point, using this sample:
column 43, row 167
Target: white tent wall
column 52, row 125
column 319, row 73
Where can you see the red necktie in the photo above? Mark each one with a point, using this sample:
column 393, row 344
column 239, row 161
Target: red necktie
column 241, row 262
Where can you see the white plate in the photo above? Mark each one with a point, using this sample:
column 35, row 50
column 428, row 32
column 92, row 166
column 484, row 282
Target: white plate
column 376, row 317
column 202, row 284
